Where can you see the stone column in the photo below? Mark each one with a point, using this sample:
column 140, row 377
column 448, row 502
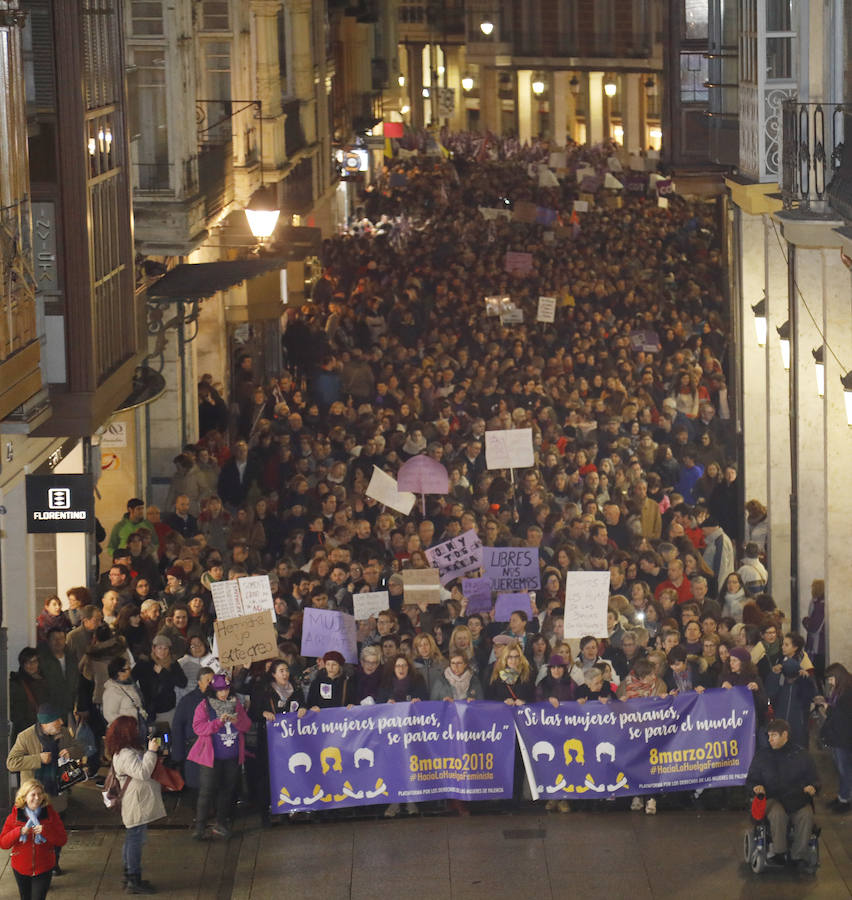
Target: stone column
column 560, row 107
column 778, row 421
column 452, row 60
column 300, row 63
column 524, row 109
column 268, row 81
column 415, row 83
column 489, row 101
column 837, row 324
column 595, row 109
column 632, row 116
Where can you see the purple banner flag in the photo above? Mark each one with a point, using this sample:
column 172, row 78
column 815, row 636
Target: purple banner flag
column 512, row 569
column 391, row 753
column 478, row 593
column 457, row 556
column 646, row 746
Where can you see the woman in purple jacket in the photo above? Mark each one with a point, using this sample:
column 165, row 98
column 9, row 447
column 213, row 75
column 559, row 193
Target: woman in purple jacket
column 221, row 724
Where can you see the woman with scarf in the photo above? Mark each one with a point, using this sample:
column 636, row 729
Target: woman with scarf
column 733, row 597
column 368, row 675
column 557, row 686
column 511, row 678
column 33, row 832
column 52, row 616
column 791, row 688
column 458, row 681
column 271, row 695
column 402, row 683
column 836, row 730
column 131, row 628
column 221, row 724
column 142, row 800
column 739, row 670
column 121, row 696
column 428, row 659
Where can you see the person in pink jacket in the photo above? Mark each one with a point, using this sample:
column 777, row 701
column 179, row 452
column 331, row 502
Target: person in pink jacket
column 220, row 723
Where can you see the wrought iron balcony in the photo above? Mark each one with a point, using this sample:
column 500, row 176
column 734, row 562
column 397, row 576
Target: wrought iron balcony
column 812, row 149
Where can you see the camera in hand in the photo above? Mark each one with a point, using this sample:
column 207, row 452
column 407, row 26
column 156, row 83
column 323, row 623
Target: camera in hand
column 71, row 772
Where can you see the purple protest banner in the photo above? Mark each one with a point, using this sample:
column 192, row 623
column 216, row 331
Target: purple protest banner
column 391, row 753
column 423, row 475
column 512, row 568
column 326, row 629
column 644, row 746
column 478, row 593
column 457, row 556
column 509, row 603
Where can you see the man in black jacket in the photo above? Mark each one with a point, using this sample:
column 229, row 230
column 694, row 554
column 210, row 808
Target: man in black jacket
column 787, row 776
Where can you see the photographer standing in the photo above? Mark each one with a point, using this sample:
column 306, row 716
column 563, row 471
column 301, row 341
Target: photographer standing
column 37, row 754
column 141, row 800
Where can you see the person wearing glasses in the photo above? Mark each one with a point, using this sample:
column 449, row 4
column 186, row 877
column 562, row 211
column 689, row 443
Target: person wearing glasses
column 121, row 696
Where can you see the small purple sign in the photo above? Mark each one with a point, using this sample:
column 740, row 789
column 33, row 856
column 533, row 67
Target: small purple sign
column 512, row 569
column 423, row 475
column 509, row 603
column 478, row 593
column 325, row 629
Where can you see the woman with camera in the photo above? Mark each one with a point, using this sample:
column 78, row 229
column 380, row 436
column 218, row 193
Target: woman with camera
column 141, row 799
column 33, row 832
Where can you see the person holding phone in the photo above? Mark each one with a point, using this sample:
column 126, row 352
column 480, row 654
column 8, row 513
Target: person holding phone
column 33, row 832
column 221, row 724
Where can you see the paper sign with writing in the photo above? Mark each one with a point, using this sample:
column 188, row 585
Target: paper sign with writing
column 546, row 309
column 421, row 585
column 586, row 602
column 478, row 593
column 324, row 630
column 585, row 172
column 384, row 489
column 457, row 556
column 663, row 202
column 243, row 640
column 226, row 599
column 664, row 187
column 581, row 206
column 423, row 475
column 511, row 315
column 509, row 603
column 369, row 604
column 510, row 448
column 512, row 569
column 256, row 594
column 517, row 262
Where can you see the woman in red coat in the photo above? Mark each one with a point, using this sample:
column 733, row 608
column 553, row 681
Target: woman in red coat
column 32, row 830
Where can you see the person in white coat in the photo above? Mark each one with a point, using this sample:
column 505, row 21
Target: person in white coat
column 121, row 696
column 141, row 801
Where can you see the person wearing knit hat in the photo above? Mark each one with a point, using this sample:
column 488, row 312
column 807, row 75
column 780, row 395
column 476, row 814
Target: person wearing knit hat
column 739, row 671
column 221, row 723
column 330, row 687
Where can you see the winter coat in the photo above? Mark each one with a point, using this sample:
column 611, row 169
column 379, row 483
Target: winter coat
column 205, row 725
column 61, row 685
column 142, row 801
column 26, row 694
column 442, row 689
column 784, row 773
column 431, row 671
column 563, row 689
column 791, row 700
column 339, row 691
column 28, row 857
column 158, row 688
column 836, row 731
column 122, row 698
column 25, row 757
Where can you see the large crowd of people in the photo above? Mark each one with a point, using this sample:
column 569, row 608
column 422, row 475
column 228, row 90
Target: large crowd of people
column 396, row 355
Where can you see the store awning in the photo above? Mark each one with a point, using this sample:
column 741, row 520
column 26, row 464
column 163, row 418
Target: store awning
column 197, row 281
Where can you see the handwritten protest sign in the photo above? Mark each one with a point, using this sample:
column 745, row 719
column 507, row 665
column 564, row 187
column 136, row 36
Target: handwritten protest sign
column 369, row 604
column 581, row 206
column 243, row 640
column 510, row 448
column 511, row 315
column 546, row 309
column 256, row 594
column 226, row 599
column 516, row 262
column 512, row 568
column 324, row 630
column 478, row 593
column 509, row 603
column 421, row 585
column 586, row 602
column 457, row 556
column 384, row 489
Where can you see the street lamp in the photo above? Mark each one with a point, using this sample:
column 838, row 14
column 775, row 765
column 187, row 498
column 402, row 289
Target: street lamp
column 538, row 87
column 262, row 212
column 819, row 367
column 401, row 81
column 759, row 310
column 467, row 83
column 784, row 337
column 425, row 93
column 486, row 26
column 574, row 84
column 610, row 86
column 650, row 86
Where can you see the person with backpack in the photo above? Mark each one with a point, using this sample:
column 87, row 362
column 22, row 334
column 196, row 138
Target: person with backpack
column 139, row 795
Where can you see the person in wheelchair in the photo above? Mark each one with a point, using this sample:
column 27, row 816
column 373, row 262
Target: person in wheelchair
column 786, row 775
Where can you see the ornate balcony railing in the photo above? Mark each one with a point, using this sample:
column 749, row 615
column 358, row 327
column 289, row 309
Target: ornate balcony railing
column 812, row 147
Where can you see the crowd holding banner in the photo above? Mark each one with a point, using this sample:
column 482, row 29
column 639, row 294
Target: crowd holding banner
column 499, row 466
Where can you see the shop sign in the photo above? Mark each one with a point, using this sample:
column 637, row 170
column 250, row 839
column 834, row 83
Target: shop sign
column 60, row 503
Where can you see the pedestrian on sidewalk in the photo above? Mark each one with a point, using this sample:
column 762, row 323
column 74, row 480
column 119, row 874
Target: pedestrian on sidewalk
column 33, row 831
column 142, row 800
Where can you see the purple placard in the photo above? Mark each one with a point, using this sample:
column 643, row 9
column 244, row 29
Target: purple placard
column 457, row 556
column 509, row 603
column 326, row 629
column 423, row 475
column 664, row 187
column 517, row 262
column 390, row 753
column 544, row 216
column 645, row 746
column 512, row 568
column 591, row 184
column 478, row 593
